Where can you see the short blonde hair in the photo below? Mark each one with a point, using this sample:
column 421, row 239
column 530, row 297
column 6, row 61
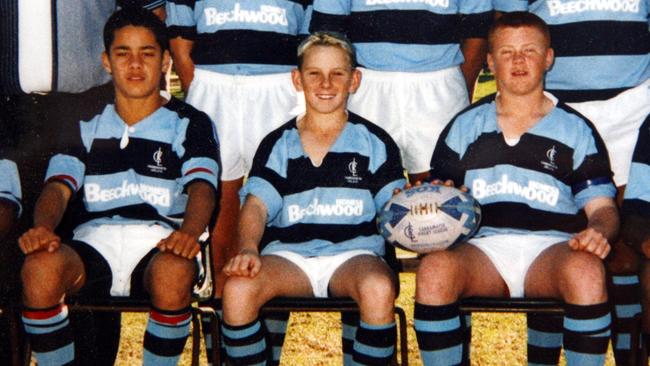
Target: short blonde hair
column 331, row 39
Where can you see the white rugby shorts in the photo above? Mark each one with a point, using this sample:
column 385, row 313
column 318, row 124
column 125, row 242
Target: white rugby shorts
column 512, row 255
column 123, row 247
column 319, row 270
column 244, row 109
column 618, row 120
column 412, row 107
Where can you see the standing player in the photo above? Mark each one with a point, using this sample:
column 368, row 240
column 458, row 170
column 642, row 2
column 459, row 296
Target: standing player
column 141, row 182
column 10, row 209
column 10, row 195
column 636, row 216
column 307, row 225
column 418, row 58
column 541, row 174
column 602, row 69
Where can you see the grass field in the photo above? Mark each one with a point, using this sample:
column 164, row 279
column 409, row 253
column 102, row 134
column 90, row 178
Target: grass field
column 314, row 338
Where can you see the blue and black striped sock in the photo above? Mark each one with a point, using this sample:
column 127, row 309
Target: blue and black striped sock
column 624, row 293
column 544, row 339
column 467, row 338
column 50, row 335
column 349, row 323
column 586, row 333
column 276, row 328
column 374, row 344
column 246, row 344
column 439, row 333
column 165, row 336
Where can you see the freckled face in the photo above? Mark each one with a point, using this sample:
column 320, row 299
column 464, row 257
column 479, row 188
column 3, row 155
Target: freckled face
column 519, row 58
column 326, row 78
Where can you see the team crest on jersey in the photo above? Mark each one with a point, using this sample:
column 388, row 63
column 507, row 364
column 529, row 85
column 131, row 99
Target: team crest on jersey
column 549, row 164
column 353, row 177
column 157, row 158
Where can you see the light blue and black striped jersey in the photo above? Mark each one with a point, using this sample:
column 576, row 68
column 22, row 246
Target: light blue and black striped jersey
column 241, row 37
column 331, row 208
column 137, row 174
column 541, row 183
column 637, row 191
column 10, row 184
column 405, row 35
column 602, row 47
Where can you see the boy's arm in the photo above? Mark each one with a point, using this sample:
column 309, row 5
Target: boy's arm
column 49, row 210
column 184, row 242
column 252, row 222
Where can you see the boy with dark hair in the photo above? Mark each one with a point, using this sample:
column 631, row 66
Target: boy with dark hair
column 141, row 184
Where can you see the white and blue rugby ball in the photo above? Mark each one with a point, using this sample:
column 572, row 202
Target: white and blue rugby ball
column 429, row 217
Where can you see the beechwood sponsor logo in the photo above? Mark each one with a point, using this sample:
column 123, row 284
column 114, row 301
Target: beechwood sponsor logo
column 340, row 207
column 534, row 191
column 563, row 7
column 151, row 194
column 438, row 3
column 266, row 14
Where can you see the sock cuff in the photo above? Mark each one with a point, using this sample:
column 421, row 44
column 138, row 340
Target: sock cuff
column 170, row 316
column 436, row 312
column 44, row 313
column 581, row 312
column 386, row 326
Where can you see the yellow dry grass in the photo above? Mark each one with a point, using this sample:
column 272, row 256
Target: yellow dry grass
column 315, row 338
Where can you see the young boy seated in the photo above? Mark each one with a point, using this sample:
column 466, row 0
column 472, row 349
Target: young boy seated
column 541, row 174
column 140, row 184
column 307, row 225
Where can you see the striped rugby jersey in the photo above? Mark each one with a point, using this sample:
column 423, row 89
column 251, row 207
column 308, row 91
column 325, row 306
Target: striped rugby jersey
column 10, row 184
column 137, row 174
column 241, row 37
column 405, row 35
column 329, row 209
column 637, row 192
column 602, row 47
column 540, row 184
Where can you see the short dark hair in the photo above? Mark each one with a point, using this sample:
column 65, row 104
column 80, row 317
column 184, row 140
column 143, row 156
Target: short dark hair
column 331, row 39
column 138, row 17
column 518, row 19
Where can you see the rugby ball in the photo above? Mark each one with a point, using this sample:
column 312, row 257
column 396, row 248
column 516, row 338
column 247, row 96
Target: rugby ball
column 429, row 217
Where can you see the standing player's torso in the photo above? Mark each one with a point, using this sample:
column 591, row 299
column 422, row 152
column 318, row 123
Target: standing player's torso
column 599, row 45
column 405, row 35
column 247, row 36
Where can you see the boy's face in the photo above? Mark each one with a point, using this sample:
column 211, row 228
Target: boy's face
column 136, row 62
column 327, row 78
column 519, row 58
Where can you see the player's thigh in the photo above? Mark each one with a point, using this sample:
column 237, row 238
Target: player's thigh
column 567, row 274
column 363, row 275
column 459, row 272
column 62, row 268
column 277, row 277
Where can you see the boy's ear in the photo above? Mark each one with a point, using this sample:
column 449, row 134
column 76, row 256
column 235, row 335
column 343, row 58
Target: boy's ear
column 356, row 81
column 296, row 80
column 106, row 64
column 166, row 61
